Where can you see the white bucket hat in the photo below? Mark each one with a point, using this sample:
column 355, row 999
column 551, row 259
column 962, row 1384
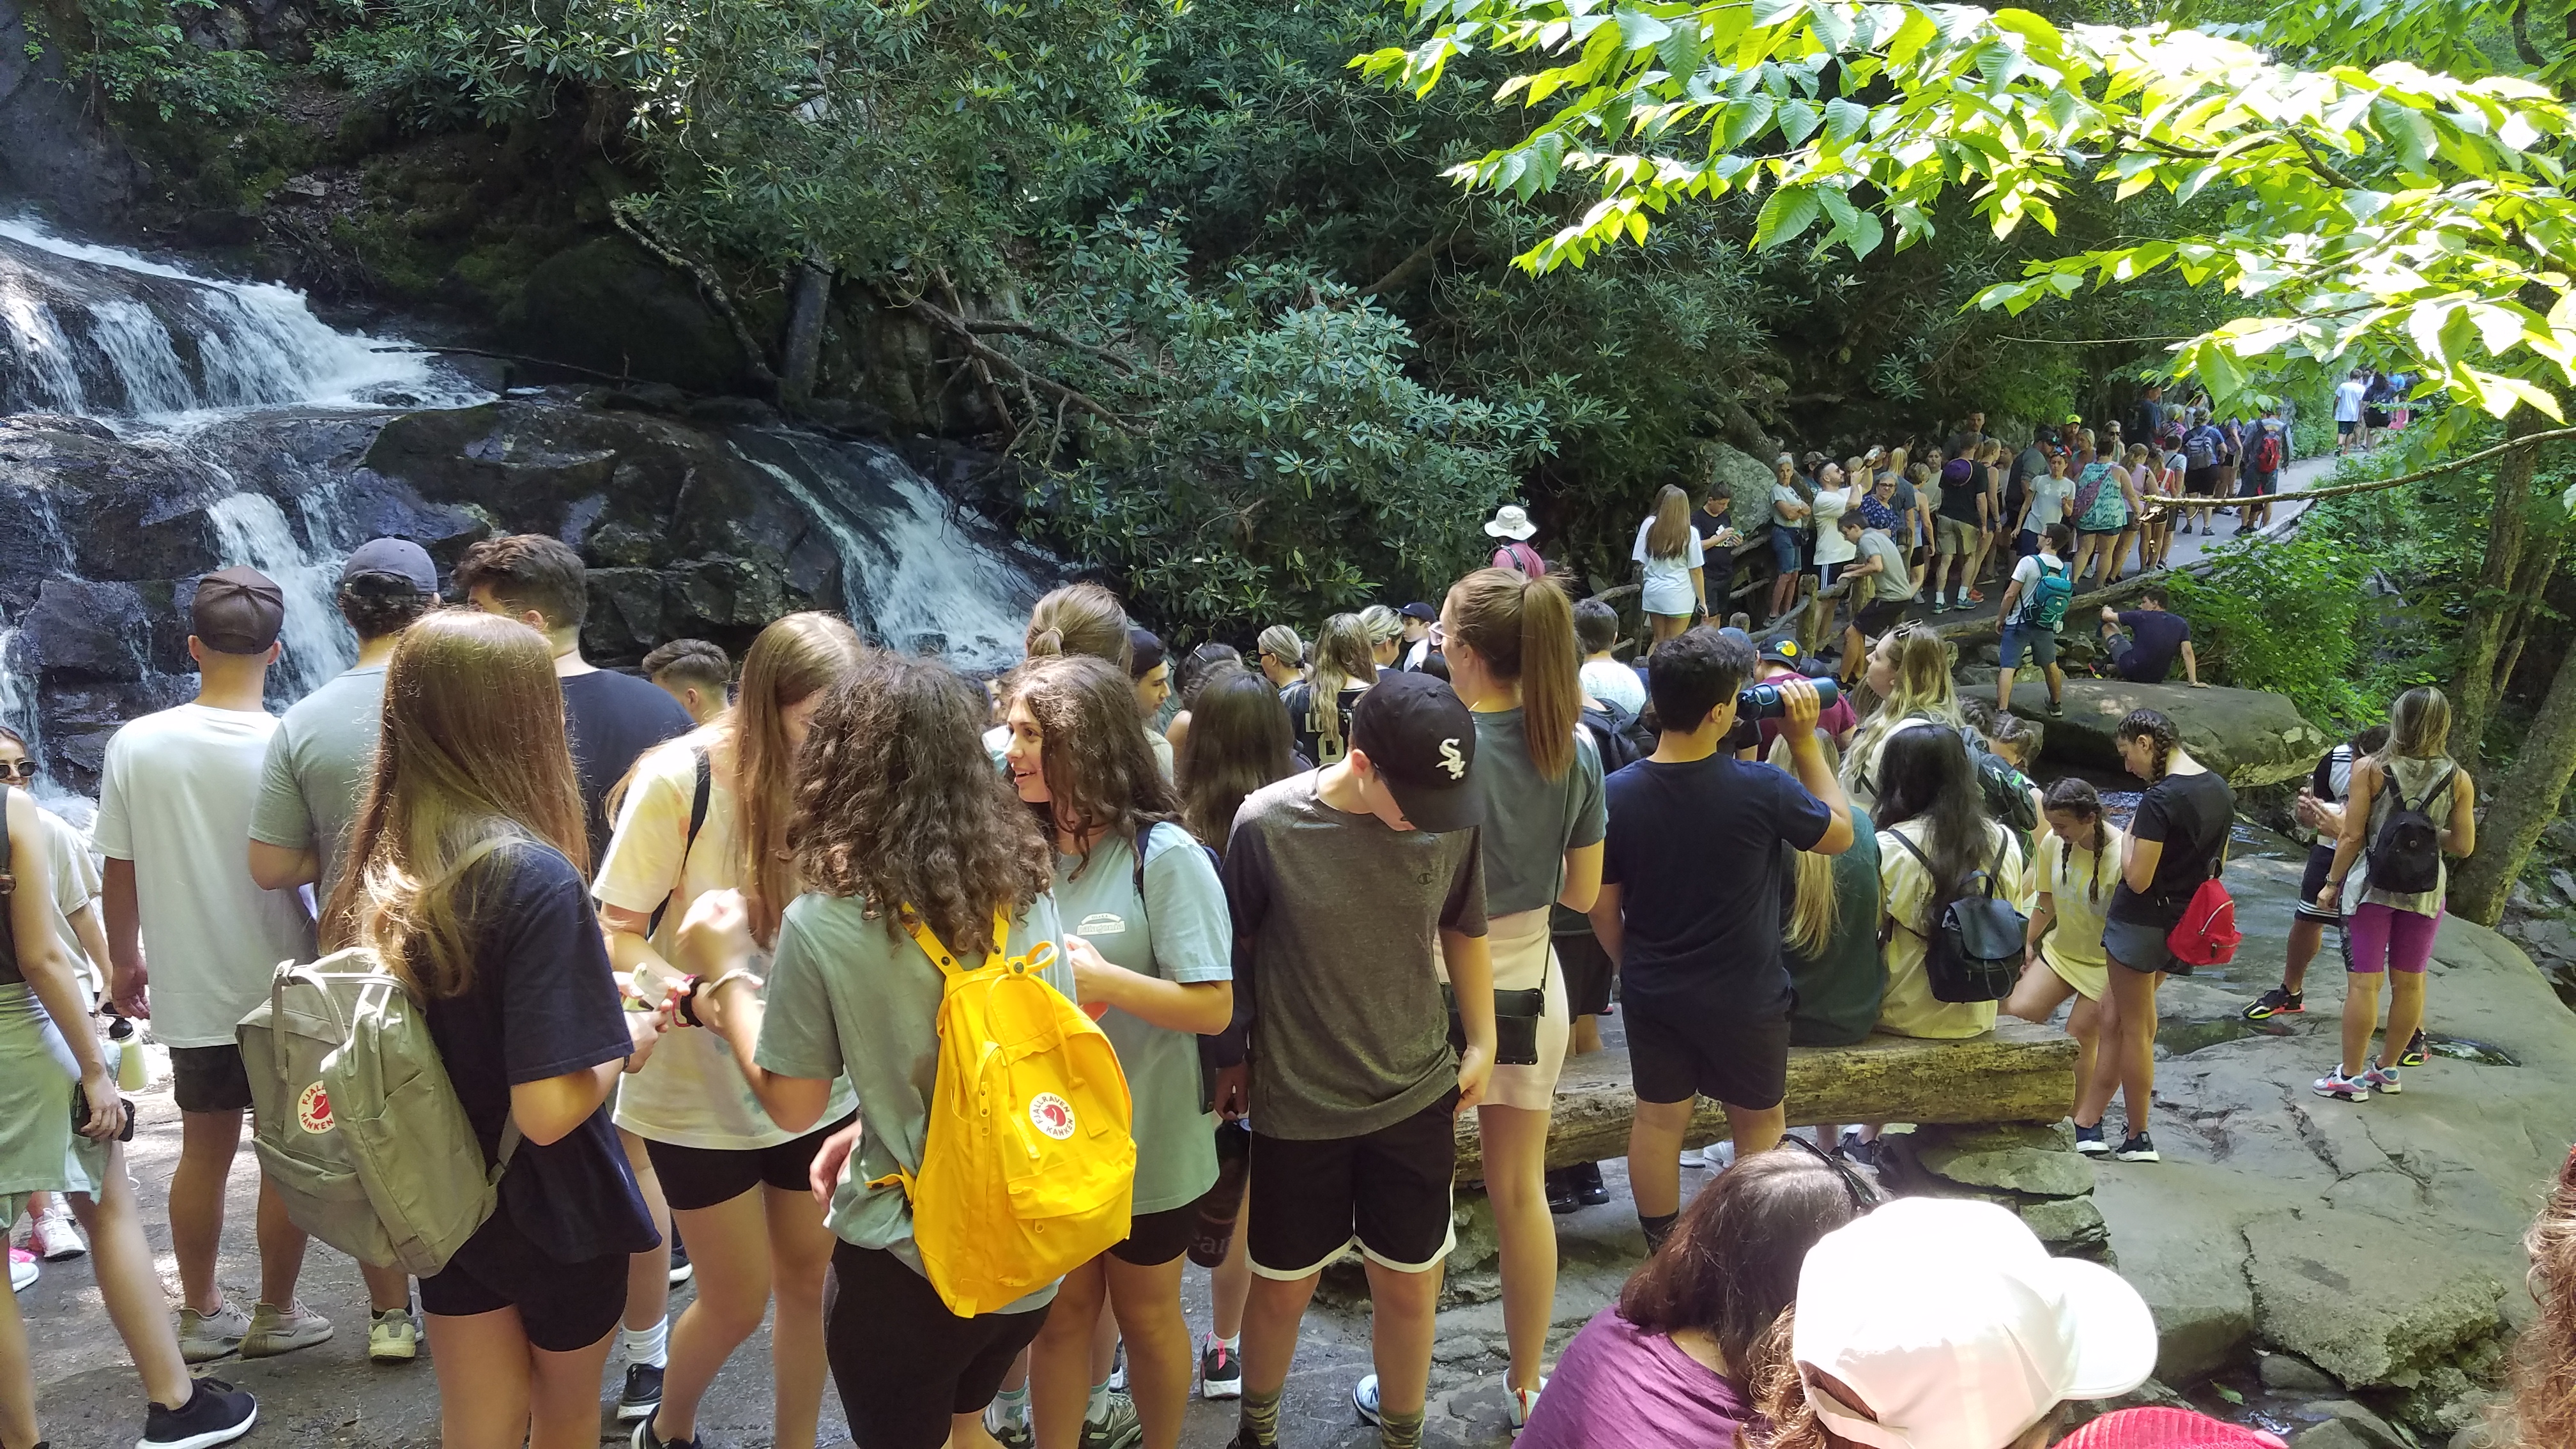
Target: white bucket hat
column 1510, row 521
column 1957, row 1330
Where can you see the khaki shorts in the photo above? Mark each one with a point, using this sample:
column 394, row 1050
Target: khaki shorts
column 1954, row 536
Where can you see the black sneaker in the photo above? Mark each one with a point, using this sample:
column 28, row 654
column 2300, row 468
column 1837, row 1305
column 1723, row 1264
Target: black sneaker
column 680, row 1269
column 2137, row 1147
column 1589, row 1189
column 643, row 1392
column 1560, row 1192
column 2088, row 1140
column 2413, row 1056
column 216, row 1413
column 2279, row 1001
column 645, row 1438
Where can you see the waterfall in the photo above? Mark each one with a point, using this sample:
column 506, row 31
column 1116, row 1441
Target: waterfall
column 253, row 530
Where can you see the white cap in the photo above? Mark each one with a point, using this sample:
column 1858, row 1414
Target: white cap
column 1510, row 521
column 1957, row 1330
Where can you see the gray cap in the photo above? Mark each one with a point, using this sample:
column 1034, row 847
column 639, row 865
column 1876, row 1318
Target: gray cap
column 397, row 556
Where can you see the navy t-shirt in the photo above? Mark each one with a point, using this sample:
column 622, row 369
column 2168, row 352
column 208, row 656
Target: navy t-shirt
column 613, row 719
column 2159, row 637
column 543, row 1004
column 1695, row 851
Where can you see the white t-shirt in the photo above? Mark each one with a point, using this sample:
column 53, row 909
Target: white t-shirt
column 76, row 884
column 1831, row 546
column 1667, row 583
column 2348, row 400
column 1612, row 682
column 2048, row 498
column 690, row 1093
column 2026, row 573
column 175, row 798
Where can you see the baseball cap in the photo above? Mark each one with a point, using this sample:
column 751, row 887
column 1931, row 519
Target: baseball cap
column 1422, row 742
column 1785, row 651
column 1953, row 1325
column 1424, row 612
column 397, row 556
column 2165, row 1428
column 237, row 611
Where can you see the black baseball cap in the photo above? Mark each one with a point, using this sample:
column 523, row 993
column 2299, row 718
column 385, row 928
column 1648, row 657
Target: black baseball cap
column 237, row 611
column 399, row 557
column 1785, row 651
column 1424, row 612
column 1422, row 741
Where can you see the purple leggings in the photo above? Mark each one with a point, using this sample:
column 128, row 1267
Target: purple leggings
column 2380, row 938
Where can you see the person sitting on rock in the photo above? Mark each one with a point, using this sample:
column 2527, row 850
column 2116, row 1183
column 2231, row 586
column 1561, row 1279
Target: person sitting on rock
column 1665, row 1364
column 2144, row 641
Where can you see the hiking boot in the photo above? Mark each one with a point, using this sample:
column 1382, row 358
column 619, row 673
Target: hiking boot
column 1121, row 1429
column 2088, row 1140
column 2137, row 1147
column 642, row 1394
column 1589, row 1189
column 393, row 1337
column 274, row 1331
column 1364, row 1400
column 2383, row 1080
column 2413, row 1056
column 57, row 1237
column 1220, row 1372
column 1519, row 1404
column 2279, row 1001
column 204, row 1337
column 2344, row 1086
column 216, row 1413
column 645, row 1438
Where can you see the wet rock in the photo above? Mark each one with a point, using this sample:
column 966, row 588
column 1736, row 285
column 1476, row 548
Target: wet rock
column 2326, row 1288
column 2250, row 736
column 2332, row 1434
column 2036, row 1171
column 606, row 306
column 2071, row 1227
column 2291, row 1374
column 86, row 631
column 2371, row 1429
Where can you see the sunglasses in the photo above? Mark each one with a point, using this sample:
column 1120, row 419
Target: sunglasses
column 22, row 770
column 1863, row 1196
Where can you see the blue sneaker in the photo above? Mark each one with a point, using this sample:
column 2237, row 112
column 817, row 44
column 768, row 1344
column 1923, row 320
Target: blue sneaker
column 2088, row 1140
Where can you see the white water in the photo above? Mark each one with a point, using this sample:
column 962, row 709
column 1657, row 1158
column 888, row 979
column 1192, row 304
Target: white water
column 252, row 529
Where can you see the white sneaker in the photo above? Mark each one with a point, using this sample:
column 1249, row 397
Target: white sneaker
column 23, row 1271
column 1519, row 1404
column 274, row 1330
column 57, row 1237
column 204, row 1337
column 393, row 1337
column 1364, row 1400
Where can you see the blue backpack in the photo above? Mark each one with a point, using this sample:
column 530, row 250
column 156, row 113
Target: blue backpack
column 2046, row 603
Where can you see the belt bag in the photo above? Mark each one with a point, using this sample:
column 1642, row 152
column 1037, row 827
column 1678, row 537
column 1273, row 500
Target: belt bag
column 1516, row 1018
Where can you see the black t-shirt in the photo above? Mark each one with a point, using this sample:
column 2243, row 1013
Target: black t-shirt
column 1695, row 851
column 1959, row 497
column 1306, row 719
column 2159, row 637
column 543, row 1004
column 2191, row 814
column 613, row 718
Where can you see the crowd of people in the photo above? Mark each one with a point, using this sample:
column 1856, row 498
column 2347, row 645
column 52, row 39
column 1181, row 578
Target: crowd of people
column 685, row 942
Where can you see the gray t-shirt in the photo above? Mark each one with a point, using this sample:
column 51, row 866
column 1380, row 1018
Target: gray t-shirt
column 847, row 993
column 317, row 769
column 1896, row 584
column 1180, row 932
column 1530, row 822
column 1337, row 921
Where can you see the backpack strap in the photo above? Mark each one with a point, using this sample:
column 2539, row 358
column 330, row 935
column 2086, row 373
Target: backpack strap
column 937, row 950
column 2432, row 792
column 697, row 819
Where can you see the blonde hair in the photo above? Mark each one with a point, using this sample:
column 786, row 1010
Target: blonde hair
column 1921, row 689
column 1814, row 913
column 793, row 660
column 2419, row 725
column 1281, row 643
column 1523, row 630
column 1342, row 659
column 1669, row 535
column 1079, row 619
column 1384, row 625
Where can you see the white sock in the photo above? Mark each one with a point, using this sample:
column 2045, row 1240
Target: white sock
column 1230, row 1345
column 1011, row 1406
column 1098, row 1413
column 650, row 1347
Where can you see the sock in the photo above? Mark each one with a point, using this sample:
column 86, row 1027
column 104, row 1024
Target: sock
column 1011, row 1407
column 651, row 1346
column 1401, row 1431
column 1657, row 1229
column 1098, row 1412
column 1232, row 1345
column 1260, row 1422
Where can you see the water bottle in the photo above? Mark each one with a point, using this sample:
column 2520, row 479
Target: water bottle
column 131, row 1070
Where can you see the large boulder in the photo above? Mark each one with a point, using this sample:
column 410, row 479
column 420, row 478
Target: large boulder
column 54, row 146
column 2327, row 1288
column 2250, row 736
column 606, row 306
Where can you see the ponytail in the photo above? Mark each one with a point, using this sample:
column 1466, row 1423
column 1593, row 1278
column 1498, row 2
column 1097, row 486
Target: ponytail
column 1523, row 630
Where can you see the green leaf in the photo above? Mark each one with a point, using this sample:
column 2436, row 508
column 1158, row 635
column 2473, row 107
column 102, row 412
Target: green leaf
column 1785, row 214
column 1641, row 31
column 2038, row 32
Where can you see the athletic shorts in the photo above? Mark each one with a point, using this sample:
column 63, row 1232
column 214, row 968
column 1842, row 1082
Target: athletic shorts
column 904, row 1364
column 2039, row 639
column 1955, row 536
column 1826, row 572
column 2257, row 485
column 1877, row 618
column 2201, row 482
column 563, row 1306
column 1674, row 1057
column 701, row 1177
column 1588, row 974
column 2312, row 880
column 2375, row 417
column 209, row 1079
column 1784, row 547
column 2141, row 948
column 1158, row 1238
column 2344, row 427
column 1388, row 1191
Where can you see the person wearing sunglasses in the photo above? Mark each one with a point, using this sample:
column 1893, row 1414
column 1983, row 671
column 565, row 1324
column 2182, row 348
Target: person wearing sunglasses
column 1665, row 1364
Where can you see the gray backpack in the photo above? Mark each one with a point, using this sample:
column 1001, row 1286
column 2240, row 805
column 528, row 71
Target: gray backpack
column 355, row 1121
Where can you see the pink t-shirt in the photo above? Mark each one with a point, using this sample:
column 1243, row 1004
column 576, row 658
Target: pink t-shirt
column 1620, row 1387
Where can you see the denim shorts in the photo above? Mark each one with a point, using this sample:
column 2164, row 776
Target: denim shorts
column 2141, row 948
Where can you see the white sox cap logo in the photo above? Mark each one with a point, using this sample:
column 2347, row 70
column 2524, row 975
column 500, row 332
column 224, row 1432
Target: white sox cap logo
column 1452, row 761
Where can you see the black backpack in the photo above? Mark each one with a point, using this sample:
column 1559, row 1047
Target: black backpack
column 2406, row 855
column 1974, row 953
column 1617, row 735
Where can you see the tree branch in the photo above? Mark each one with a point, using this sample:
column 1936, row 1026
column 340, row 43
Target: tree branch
column 1044, row 334
column 983, row 373
column 754, row 359
column 964, row 332
column 1414, row 264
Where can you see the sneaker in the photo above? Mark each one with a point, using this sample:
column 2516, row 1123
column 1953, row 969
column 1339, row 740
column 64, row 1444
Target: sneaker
column 2343, row 1086
column 1589, row 1189
column 2056, row 709
column 642, row 1394
column 2413, row 1056
column 273, row 1332
column 2279, row 1001
column 1858, row 1149
column 1519, row 1404
column 2088, row 1140
column 1220, row 1372
column 1560, row 1192
column 1011, row 1431
column 1120, row 1430
column 680, row 1269
column 2383, row 1080
column 393, row 1337
column 216, row 1413
column 645, row 1438
column 1118, row 1369
column 23, row 1271
column 1975, row 597
column 2137, row 1147
column 1364, row 1400
column 207, row 1336
column 57, row 1237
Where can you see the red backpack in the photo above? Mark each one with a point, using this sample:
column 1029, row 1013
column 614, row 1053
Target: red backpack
column 1521, row 559
column 2206, row 935
column 2267, row 453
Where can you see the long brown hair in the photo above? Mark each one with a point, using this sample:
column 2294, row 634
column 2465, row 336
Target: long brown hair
column 793, row 660
column 1732, row 1263
column 1523, row 629
column 1100, row 773
column 1079, row 619
column 1669, row 535
column 2543, row 1402
column 472, row 757
column 1342, row 658
column 897, row 803
column 1239, row 741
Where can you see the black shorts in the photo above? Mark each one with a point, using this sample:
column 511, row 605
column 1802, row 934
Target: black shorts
column 209, row 1079
column 1877, row 618
column 701, row 1177
column 1674, row 1056
column 904, row 1364
column 1388, row 1191
column 2256, row 485
column 1158, row 1238
column 564, row 1307
column 2201, row 482
column 2312, row 880
column 1588, row 974
column 2344, row 426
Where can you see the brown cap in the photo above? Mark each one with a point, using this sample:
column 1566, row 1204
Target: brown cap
column 237, row 611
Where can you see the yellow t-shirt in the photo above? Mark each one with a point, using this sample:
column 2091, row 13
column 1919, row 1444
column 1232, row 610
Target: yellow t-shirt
column 1905, row 887
column 2068, row 877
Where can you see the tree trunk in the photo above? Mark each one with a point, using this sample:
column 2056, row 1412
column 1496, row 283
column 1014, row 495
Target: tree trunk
column 802, row 356
column 2520, row 804
column 2476, row 686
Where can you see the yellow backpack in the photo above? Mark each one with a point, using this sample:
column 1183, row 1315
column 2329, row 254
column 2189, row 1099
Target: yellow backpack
column 1028, row 1167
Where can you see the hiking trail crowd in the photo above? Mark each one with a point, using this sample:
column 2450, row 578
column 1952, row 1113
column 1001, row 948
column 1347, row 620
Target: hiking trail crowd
column 948, row 1018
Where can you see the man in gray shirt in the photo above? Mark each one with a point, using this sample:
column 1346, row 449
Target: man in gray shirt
column 1350, row 886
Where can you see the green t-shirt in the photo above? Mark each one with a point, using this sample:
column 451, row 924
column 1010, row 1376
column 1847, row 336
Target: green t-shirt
column 847, row 993
column 1180, row 932
column 318, row 766
column 1838, row 990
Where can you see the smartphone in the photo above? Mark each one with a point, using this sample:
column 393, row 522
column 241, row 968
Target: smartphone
column 80, row 1112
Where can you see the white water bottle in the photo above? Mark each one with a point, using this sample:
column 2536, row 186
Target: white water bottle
column 131, row 1069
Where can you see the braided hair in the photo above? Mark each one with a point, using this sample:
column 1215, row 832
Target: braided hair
column 2148, row 724
column 2079, row 799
